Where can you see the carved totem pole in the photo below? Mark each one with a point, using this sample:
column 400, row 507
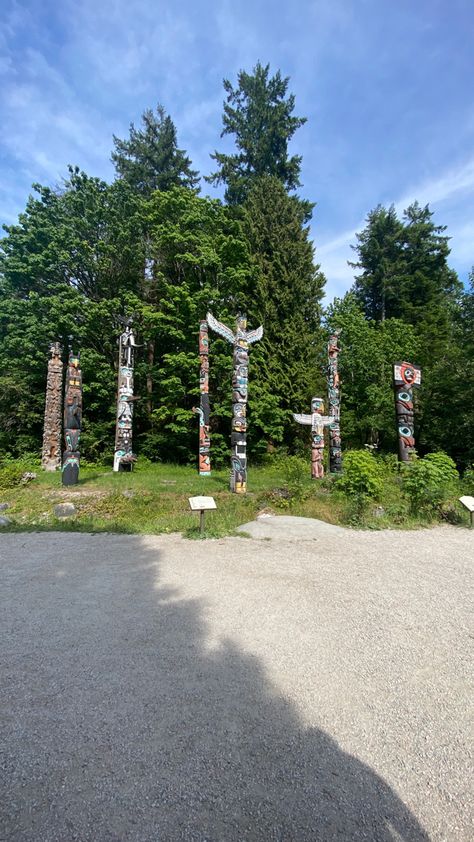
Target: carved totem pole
column 318, row 422
column 241, row 340
column 334, row 409
column 204, row 411
column 123, row 455
column 51, row 454
column 405, row 376
column 72, row 420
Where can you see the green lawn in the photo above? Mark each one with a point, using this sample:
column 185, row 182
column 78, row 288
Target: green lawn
column 154, row 499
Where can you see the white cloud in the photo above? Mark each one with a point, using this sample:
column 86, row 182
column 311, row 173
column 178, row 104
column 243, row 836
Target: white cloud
column 455, row 184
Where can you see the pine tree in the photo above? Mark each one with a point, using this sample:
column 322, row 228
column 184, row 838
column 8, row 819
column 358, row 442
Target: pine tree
column 259, row 114
column 378, row 288
column 150, row 159
column 285, row 296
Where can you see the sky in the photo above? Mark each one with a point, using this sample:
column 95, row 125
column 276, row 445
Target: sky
column 387, row 89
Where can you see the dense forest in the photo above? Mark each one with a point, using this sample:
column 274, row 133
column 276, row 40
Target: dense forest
column 148, row 245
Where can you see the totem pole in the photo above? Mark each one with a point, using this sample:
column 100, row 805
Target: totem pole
column 72, row 420
column 318, row 422
column 405, row 376
column 123, row 455
column 51, row 455
column 241, row 339
column 334, row 400
column 203, row 411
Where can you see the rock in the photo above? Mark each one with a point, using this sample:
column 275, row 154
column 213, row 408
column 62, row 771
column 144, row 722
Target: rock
column 127, row 493
column 4, row 506
column 65, row 510
column 4, row 521
column 379, row 511
column 28, row 476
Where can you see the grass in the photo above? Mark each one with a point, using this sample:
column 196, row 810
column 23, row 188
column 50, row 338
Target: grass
column 154, row 500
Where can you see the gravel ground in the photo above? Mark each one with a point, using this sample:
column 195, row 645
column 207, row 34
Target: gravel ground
column 155, row 689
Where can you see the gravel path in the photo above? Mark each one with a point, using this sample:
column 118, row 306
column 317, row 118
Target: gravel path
column 155, row 689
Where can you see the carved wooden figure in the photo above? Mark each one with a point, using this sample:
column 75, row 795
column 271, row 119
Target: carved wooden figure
column 204, row 411
column 51, row 454
column 123, row 454
column 72, row 421
column 318, row 422
column 334, row 401
column 405, row 377
column 241, row 340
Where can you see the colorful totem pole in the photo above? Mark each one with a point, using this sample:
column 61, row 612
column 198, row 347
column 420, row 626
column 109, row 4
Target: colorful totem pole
column 334, row 401
column 51, row 454
column 318, row 422
column 72, row 420
column 405, row 376
column 203, row 411
column 241, row 340
column 123, row 455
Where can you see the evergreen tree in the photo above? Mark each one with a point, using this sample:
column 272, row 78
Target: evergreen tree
column 150, row 159
column 259, row 114
column 405, row 273
column 379, row 247
column 285, row 296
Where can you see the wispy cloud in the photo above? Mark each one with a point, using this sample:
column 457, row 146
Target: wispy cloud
column 333, row 254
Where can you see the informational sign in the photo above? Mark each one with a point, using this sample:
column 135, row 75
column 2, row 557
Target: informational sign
column 468, row 502
column 201, row 504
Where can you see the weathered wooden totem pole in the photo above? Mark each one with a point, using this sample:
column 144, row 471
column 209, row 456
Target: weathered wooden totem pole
column 51, row 454
column 72, row 420
column 318, row 422
column 334, row 401
column 241, row 340
column 204, row 411
column 123, row 454
column 405, row 376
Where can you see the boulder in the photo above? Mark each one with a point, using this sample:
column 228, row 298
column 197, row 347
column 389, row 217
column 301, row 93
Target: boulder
column 65, row 510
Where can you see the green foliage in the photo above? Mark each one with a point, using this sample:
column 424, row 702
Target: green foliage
column 368, row 351
column 429, row 482
column 150, row 159
column 296, row 474
column 468, row 480
column 362, row 479
column 284, row 294
column 259, row 114
column 10, row 475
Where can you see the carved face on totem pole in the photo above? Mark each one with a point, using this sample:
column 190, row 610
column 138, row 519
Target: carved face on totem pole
column 405, row 377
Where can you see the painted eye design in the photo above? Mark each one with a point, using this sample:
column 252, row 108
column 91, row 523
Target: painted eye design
column 404, row 396
column 405, row 431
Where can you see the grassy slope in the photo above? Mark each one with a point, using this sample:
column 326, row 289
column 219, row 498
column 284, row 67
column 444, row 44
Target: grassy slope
column 154, row 499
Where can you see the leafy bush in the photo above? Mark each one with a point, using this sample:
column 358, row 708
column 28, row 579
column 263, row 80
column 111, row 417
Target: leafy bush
column 362, row 479
column 10, row 475
column 296, row 473
column 468, row 480
column 429, row 482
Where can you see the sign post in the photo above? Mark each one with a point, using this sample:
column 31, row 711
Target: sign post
column 468, row 503
column 201, row 505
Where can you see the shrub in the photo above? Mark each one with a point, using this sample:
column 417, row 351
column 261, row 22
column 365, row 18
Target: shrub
column 429, row 482
column 296, row 473
column 468, row 480
column 362, row 479
column 10, row 475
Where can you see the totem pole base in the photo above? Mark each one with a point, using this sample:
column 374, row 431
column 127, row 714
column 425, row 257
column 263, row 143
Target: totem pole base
column 70, row 469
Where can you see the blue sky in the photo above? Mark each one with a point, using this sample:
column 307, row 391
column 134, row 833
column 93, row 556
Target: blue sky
column 386, row 87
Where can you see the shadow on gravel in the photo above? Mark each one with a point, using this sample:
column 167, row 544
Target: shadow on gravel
column 123, row 727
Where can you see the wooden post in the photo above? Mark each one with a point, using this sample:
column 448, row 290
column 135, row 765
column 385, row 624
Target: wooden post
column 318, row 422
column 405, row 376
column 51, row 454
column 204, row 410
column 241, row 340
column 72, row 421
column 123, row 454
column 334, row 401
